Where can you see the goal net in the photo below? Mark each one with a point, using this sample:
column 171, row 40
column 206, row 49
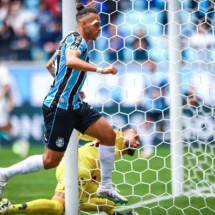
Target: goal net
column 135, row 37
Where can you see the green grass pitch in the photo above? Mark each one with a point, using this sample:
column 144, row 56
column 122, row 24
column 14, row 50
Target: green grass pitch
column 146, row 179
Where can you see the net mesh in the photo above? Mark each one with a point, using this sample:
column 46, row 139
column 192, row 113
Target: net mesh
column 134, row 38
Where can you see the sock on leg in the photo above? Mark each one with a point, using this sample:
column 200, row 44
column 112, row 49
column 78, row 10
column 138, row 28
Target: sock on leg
column 31, row 164
column 106, row 157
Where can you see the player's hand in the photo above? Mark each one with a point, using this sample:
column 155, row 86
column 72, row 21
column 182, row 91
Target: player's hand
column 109, row 70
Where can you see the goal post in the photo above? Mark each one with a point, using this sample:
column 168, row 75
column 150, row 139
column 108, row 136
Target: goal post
column 175, row 97
column 71, row 154
column 164, row 89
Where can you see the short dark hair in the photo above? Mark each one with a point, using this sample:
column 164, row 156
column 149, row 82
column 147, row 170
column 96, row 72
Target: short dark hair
column 82, row 11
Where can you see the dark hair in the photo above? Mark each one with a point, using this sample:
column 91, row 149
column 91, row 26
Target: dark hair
column 82, row 11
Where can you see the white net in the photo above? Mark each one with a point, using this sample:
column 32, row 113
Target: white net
column 135, row 39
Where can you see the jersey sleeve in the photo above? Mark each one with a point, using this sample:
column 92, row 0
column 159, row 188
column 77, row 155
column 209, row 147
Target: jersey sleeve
column 76, row 42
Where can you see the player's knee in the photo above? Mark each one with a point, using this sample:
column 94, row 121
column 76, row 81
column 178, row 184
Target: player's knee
column 109, row 138
column 50, row 162
column 57, row 206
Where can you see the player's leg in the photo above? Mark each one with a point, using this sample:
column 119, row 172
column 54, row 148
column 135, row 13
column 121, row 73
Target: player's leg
column 87, row 189
column 55, row 206
column 101, row 129
column 105, row 133
column 98, row 205
column 103, row 205
column 40, row 206
column 91, row 122
column 31, row 164
column 56, row 140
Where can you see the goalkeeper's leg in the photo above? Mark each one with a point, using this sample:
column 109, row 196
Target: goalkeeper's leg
column 97, row 204
column 40, row 206
column 102, row 205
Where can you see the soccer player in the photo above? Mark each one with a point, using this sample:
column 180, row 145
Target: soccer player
column 89, row 178
column 6, row 100
column 64, row 110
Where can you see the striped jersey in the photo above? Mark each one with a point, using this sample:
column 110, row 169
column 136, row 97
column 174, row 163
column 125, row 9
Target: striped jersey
column 65, row 90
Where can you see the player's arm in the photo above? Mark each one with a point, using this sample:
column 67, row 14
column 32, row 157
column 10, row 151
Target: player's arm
column 49, row 66
column 38, row 206
column 73, row 61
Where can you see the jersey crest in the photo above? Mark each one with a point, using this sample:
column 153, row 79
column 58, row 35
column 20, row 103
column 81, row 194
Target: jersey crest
column 60, row 142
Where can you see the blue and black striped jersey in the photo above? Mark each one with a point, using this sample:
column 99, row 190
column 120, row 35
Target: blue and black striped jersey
column 65, row 91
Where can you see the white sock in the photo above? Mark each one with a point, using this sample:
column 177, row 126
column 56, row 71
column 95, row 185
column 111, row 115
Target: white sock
column 31, row 164
column 106, row 157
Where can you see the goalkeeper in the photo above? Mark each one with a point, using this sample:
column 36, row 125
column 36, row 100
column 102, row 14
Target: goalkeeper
column 89, row 177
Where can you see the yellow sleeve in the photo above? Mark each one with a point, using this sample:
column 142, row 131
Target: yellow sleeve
column 119, row 144
column 85, row 137
column 60, row 176
column 89, row 138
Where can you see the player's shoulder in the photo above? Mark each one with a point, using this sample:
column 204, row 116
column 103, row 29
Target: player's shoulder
column 74, row 36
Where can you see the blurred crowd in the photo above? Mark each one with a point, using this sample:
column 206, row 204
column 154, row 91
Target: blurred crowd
column 29, row 30
column 131, row 30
